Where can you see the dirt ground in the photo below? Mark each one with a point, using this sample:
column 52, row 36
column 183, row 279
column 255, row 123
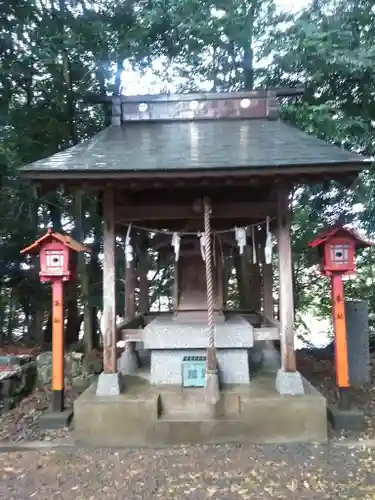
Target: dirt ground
column 222, row 472
column 321, row 373
column 194, row 473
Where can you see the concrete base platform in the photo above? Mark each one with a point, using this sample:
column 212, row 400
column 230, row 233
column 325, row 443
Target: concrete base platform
column 147, row 415
column 55, row 420
column 352, row 419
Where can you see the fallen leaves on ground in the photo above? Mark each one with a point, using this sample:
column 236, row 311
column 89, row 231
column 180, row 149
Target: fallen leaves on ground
column 320, row 372
column 222, row 472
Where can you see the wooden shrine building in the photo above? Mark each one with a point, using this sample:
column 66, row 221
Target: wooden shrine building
column 197, row 166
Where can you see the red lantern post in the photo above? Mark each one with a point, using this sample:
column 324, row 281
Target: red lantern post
column 56, row 267
column 337, row 247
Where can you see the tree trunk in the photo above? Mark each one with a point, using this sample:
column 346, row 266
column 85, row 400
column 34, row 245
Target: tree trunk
column 83, row 275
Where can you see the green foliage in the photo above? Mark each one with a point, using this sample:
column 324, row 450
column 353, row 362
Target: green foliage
column 55, row 56
column 330, row 50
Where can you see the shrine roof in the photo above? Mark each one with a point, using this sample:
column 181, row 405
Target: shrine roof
column 220, row 134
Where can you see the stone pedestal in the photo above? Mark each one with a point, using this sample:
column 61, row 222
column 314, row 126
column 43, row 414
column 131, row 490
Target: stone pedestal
column 170, row 340
column 271, row 357
column 128, row 363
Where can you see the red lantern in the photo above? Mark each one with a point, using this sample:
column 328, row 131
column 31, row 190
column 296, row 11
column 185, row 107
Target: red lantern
column 337, row 247
column 56, row 256
column 56, row 266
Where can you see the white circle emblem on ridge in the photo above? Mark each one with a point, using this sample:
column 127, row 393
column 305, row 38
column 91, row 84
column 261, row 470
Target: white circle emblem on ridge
column 245, row 103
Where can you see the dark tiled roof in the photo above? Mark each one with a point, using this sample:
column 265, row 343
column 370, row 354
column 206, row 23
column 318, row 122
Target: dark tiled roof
column 216, row 144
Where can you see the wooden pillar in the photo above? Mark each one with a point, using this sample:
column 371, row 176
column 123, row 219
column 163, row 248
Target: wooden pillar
column 286, row 312
column 248, row 279
column 144, row 302
column 109, row 282
column 271, row 357
column 255, row 277
column 267, row 291
column 130, row 283
column 175, row 295
column 227, row 272
column 129, row 360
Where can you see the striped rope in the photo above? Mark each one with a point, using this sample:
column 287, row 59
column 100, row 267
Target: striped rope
column 209, row 280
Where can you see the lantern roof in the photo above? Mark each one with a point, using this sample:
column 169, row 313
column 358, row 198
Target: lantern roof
column 339, row 231
column 51, row 235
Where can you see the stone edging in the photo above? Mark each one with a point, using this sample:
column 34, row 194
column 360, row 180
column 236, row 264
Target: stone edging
column 7, row 447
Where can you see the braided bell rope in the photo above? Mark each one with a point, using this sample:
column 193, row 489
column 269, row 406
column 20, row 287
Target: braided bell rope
column 209, row 280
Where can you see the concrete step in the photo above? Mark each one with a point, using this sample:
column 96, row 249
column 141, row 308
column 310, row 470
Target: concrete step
column 191, row 404
column 186, row 416
column 183, row 398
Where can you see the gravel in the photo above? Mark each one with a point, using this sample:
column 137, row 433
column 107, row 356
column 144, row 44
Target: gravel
column 200, row 472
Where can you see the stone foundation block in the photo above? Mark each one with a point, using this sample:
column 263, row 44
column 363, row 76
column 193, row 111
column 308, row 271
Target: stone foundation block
column 289, row 383
column 109, row 384
column 351, row 419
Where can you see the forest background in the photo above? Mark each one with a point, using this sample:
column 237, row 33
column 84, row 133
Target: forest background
column 57, row 55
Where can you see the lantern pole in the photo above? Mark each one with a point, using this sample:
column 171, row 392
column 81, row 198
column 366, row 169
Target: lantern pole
column 57, row 345
column 341, row 348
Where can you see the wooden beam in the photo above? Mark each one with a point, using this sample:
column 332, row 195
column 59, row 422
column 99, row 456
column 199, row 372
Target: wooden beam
column 109, row 283
column 134, row 213
column 132, row 334
column 286, row 312
column 179, row 225
column 266, row 334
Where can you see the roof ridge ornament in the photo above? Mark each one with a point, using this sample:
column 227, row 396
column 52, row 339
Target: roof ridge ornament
column 261, row 104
